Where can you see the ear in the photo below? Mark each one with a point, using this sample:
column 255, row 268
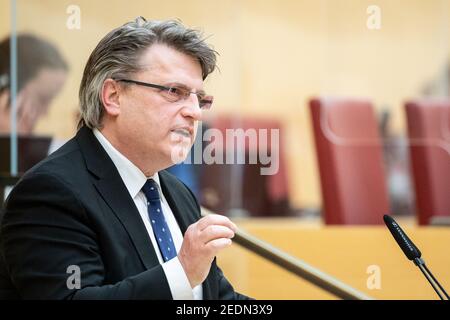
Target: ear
column 110, row 97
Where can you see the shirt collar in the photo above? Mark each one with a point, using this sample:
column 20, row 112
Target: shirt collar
column 131, row 175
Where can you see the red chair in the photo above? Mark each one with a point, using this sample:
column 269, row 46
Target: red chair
column 226, row 187
column 429, row 140
column 350, row 159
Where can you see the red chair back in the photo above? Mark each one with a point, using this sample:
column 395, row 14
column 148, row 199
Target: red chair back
column 429, row 140
column 242, row 186
column 349, row 153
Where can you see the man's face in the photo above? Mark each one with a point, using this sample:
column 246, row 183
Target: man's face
column 151, row 127
column 33, row 100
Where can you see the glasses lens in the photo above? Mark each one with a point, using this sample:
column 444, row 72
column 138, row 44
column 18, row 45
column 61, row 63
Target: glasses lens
column 176, row 93
column 206, row 102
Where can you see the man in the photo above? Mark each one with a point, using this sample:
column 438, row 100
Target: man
column 41, row 73
column 100, row 218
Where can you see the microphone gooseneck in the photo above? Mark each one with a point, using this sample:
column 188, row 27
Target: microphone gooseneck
column 413, row 253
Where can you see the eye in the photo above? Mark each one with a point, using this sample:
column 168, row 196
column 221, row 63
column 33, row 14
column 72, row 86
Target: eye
column 200, row 96
column 175, row 91
column 205, row 102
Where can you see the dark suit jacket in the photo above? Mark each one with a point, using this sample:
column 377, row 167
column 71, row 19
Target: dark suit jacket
column 74, row 209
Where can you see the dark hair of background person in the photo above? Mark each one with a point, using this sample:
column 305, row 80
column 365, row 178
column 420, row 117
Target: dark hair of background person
column 33, row 54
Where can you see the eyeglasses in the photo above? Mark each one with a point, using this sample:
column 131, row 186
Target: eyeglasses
column 176, row 93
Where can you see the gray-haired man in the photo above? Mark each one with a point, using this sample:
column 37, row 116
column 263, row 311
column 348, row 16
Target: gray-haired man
column 100, row 218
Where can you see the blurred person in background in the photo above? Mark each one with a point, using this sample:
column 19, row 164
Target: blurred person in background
column 41, row 73
column 439, row 86
column 397, row 166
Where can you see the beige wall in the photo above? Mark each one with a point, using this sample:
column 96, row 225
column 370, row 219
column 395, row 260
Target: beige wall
column 5, row 13
column 274, row 55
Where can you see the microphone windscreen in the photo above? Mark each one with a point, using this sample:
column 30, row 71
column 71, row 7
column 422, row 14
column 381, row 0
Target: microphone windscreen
column 408, row 247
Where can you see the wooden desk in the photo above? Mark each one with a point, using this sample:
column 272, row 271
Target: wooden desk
column 341, row 251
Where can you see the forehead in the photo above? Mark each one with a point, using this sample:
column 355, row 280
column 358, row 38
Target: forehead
column 161, row 62
column 48, row 80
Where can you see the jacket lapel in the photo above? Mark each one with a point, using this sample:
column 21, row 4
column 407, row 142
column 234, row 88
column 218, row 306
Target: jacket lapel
column 110, row 186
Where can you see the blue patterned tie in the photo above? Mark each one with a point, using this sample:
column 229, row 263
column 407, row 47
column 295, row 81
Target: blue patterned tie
column 159, row 224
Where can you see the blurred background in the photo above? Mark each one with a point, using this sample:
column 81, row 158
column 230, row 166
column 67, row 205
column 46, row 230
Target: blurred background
column 357, row 90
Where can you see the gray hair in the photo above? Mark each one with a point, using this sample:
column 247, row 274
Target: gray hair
column 118, row 53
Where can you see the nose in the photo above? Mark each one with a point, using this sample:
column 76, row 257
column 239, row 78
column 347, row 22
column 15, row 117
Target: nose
column 191, row 108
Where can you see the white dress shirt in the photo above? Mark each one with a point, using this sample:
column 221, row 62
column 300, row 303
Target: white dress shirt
column 134, row 179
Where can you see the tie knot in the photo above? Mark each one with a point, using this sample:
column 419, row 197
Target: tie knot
column 150, row 190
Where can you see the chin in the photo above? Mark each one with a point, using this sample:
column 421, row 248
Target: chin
column 178, row 153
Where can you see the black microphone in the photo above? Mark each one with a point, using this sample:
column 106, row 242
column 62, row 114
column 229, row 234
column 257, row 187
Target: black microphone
column 402, row 239
column 412, row 253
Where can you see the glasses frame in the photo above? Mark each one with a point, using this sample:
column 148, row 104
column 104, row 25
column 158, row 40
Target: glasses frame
column 204, row 101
